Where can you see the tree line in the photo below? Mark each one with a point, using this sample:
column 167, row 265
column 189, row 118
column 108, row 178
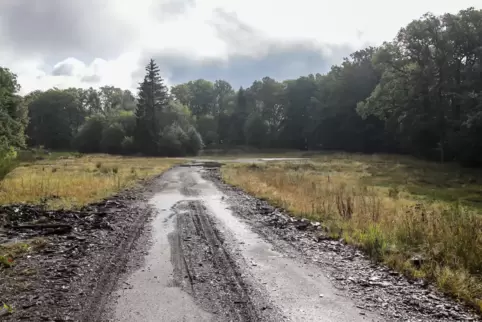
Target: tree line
column 419, row 94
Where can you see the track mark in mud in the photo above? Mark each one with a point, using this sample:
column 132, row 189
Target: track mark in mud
column 203, row 267
column 188, row 184
column 112, row 268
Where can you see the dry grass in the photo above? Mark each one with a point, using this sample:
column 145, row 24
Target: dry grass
column 392, row 207
column 70, row 182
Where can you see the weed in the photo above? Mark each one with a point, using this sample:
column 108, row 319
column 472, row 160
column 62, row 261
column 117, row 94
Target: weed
column 6, row 261
column 98, row 165
column 8, row 308
column 393, row 192
column 392, row 207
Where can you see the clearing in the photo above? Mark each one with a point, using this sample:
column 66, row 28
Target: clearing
column 186, row 246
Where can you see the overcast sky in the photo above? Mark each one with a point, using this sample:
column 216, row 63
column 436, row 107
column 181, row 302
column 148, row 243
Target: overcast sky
column 87, row 43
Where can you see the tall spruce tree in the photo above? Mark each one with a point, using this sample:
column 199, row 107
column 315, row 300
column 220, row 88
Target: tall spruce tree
column 153, row 99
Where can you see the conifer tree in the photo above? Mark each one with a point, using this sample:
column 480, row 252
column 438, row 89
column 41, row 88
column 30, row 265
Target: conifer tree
column 153, row 99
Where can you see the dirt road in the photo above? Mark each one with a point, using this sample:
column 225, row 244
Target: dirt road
column 212, row 253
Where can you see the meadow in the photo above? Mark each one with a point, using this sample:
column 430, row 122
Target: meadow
column 70, row 180
column 423, row 219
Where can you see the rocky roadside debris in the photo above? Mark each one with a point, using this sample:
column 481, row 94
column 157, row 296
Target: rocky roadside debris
column 373, row 287
column 70, row 260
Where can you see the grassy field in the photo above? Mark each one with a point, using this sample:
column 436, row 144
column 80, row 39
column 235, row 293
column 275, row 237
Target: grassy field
column 393, row 207
column 69, row 181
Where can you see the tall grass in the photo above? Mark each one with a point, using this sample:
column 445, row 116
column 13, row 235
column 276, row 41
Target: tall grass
column 369, row 203
column 6, row 166
column 75, row 181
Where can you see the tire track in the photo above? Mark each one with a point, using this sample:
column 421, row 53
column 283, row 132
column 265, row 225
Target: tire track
column 203, row 267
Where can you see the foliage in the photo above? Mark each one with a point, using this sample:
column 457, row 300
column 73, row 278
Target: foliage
column 55, row 116
column 112, row 139
column 255, row 130
column 87, row 139
column 12, row 115
column 152, row 102
column 127, row 145
column 194, row 142
column 163, row 126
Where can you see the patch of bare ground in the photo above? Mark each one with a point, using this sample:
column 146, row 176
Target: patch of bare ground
column 58, row 265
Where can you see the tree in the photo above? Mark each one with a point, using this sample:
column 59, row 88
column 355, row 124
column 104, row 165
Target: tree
column 152, row 101
column 87, row 140
column 429, row 92
column 256, row 130
column 55, row 116
column 208, row 128
column 222, row 93
column 12, row 115
column 238, row 118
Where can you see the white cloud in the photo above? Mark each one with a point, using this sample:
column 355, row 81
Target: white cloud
column 178, row 26
column 117, row 72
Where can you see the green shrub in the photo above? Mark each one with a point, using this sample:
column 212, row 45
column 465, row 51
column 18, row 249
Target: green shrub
column 112, row 138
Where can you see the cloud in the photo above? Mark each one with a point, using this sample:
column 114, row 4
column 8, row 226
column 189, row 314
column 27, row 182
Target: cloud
column 93, row 43
column 68, row 67
column 91, row 79
column 59, row 28
column 174, row 7
column 279, row 62
column 249, row 54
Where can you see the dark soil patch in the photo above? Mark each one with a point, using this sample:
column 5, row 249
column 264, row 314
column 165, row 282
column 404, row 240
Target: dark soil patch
column 83, row 254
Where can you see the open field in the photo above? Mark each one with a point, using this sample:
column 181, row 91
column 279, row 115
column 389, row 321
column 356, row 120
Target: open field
column 420, row 218
column 391, row 207
column 67, row 181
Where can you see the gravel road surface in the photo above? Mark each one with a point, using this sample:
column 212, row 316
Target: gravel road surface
column 213, row 253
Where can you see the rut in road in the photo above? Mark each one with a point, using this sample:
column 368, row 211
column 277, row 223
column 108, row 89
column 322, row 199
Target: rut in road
column 203, row 267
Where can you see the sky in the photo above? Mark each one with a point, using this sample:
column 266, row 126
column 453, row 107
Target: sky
column 91, row 43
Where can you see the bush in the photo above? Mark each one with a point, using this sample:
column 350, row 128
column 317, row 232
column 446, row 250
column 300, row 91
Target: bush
column 194, row 142
column 128, row 146
column 112, row 138
column 172, row 140
column 127, row 120
column 87, row 139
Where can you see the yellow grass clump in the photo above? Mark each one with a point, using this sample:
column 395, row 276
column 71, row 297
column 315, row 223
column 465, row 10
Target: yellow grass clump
column 392, row 207
column 71, row 182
